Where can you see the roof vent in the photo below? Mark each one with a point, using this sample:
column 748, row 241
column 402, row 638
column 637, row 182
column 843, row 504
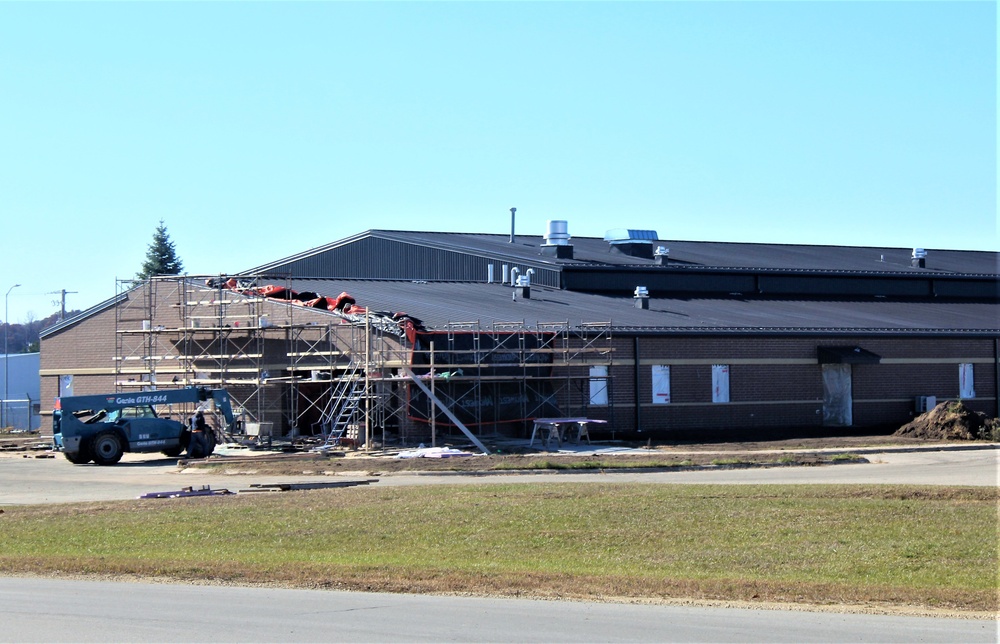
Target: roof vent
column 641, row 297
column 661, row 255
column 634, row 243
column 522, row 289
column 557, row 240
column 919, row 259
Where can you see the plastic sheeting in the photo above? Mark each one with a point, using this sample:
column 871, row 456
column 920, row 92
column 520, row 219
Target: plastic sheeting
column 966, row 381
column 837, row 396
column 661, row 384
column 432, row 452
column 720, row 383
column 599, row 385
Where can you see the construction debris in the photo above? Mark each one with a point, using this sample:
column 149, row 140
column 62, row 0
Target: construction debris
column 26, row 442
column 951, row 420
column 397, row 323
column 433, row 452
column 285, row 487
column 204, row 490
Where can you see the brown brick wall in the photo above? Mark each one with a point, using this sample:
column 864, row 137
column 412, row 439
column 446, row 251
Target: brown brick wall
column 781, row 385
column 774, row 381
column 79, row 350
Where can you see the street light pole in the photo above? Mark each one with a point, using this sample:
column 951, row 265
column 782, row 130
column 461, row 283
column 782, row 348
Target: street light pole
column 6, row 359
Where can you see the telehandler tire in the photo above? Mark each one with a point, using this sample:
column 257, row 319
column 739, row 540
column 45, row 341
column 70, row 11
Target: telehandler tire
column 107, row 448
column 82, row 457
column 211, row 440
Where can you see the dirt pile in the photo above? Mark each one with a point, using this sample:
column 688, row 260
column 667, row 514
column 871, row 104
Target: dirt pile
column 951, row 420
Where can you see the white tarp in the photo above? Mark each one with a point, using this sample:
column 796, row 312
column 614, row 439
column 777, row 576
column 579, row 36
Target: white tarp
column 661, row 384
column 720, row 383
column 966, row 381
column 433, row 452
column 599, row 385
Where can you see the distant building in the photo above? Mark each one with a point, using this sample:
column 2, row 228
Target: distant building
column 21, row 408
column 669, row 339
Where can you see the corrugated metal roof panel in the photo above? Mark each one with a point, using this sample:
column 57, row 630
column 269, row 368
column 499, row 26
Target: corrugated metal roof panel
column 440, row 303
column 593, row 251
column 379, row 257
column 725, row 254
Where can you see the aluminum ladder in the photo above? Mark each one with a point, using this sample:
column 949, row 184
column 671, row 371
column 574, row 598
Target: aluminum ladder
column 342, row 407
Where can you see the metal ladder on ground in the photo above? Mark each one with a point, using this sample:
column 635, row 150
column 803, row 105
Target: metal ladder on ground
column 342, row 407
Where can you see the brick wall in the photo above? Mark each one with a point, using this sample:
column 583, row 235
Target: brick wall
column 85, row 351
column 113, row 345
column 774, row 381
column 777, row 381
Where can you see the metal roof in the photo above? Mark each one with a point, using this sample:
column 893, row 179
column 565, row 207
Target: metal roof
column 707, row 301
column 696, row 254
column 706, row 269
column 438, row 304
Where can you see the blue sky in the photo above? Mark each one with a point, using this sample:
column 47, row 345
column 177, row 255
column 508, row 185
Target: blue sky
column 258, row 130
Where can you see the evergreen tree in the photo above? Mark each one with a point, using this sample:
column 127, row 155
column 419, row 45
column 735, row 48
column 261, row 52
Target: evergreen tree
column 161, row 258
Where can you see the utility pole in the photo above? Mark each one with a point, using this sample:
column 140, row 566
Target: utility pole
column 62, row 301
column 6, row 354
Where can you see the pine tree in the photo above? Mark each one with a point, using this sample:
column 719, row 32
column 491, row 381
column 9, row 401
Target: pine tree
column 161, row 257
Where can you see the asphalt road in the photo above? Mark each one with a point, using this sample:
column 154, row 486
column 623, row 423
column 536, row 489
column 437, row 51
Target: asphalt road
column 29, row 480
column 48, row 610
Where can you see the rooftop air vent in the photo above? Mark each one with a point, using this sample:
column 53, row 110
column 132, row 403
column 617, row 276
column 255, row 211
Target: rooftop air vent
column 641, row 297
column 919, row 258
column 557, row 240
column 522, row 288
column 634, row 243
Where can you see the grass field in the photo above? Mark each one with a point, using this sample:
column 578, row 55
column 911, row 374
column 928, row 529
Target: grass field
column 885, row 545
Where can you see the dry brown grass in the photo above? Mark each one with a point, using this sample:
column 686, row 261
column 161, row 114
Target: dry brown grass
column 298, row 463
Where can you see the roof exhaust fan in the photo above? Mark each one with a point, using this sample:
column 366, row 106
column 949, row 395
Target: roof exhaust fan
column 919, row 258
column 557, row 240
column 641, row 297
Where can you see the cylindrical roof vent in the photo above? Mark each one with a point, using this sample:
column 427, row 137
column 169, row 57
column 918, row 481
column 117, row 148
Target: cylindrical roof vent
column 557, row 232
column 556, row 242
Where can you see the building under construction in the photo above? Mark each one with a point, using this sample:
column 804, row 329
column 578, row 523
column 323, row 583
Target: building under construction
column 298, row 363
column 409, row 337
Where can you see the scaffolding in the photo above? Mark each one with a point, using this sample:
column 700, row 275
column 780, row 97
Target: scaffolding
column 347, row 378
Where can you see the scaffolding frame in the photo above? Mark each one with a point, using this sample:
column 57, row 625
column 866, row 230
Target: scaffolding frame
column 571, row 352
column 339, row 375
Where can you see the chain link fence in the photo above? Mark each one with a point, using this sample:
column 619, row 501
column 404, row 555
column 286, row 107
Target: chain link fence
column 20, row 415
